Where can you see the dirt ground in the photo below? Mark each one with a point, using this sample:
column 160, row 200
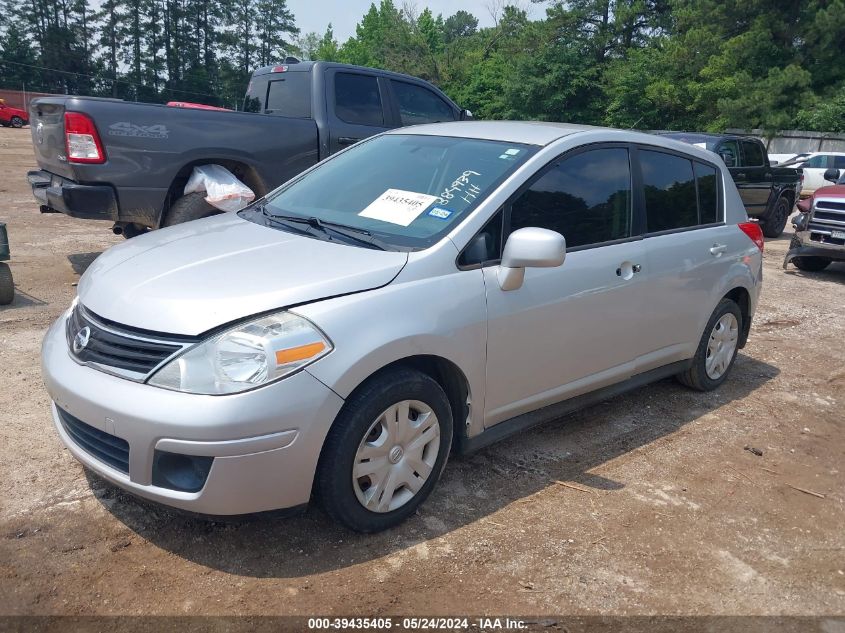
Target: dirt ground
column 669, row 513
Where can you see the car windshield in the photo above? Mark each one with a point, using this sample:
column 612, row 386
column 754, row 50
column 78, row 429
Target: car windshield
column 404, row 190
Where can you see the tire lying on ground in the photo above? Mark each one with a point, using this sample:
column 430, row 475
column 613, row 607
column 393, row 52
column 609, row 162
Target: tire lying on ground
column 7, row 285
column 190, row 207
column 809, row 264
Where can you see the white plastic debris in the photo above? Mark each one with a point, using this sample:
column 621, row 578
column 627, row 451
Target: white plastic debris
column 223, row 190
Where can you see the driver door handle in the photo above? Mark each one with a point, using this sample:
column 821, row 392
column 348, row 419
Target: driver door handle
column 718, row 249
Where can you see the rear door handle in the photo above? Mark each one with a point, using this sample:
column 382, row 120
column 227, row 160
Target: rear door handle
column 718, row 249
column 347, row 140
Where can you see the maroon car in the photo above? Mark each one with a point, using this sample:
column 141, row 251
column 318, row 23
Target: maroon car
column 820, row 227
column 12, row 117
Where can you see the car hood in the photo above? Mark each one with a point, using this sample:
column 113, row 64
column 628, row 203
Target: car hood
column 194, row 277
column 832, row 191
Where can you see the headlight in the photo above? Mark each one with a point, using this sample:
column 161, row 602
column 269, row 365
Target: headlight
column 244, row 357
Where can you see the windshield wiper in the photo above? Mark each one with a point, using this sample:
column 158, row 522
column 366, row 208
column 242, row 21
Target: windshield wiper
column 362, row 236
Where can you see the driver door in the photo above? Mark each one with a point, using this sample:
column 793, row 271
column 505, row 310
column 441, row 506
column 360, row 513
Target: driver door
column 574, row 328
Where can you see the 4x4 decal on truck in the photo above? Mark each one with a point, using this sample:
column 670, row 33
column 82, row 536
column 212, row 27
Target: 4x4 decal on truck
column 125, row 128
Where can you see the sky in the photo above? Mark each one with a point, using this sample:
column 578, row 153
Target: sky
column 315, row 15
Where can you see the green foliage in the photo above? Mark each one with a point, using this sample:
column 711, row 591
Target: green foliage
column 650, row 64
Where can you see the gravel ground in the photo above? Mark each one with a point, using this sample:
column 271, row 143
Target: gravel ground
column 670, row 516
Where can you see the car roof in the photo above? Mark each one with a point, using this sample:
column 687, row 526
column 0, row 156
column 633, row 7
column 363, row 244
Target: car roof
column 544, row 133
column 529, row 132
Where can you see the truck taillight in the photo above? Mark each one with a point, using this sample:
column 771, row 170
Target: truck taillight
column 754, row 232
column 82, row 141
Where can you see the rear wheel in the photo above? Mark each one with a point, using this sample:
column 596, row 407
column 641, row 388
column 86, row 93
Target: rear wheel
column 7, row 285
column 806, row 263
column 716, row 350
column 16, row 121
column 189, row 207
column 385, row 452
column 774, row 225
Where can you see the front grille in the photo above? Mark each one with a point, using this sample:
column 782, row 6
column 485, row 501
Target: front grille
column 107, row 448
column 828, row 215
column 133, row 354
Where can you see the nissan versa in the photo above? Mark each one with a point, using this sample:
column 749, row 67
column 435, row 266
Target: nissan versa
column 431, row 289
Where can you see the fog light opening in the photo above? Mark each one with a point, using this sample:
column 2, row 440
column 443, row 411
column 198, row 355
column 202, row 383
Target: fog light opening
column 185, row 473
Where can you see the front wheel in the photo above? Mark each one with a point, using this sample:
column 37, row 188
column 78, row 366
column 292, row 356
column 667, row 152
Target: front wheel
column 7, row 285
column 807, row 263
column 774, row 225
column 16, row 122
column 189, row 207
column 716, row 350
column 385, row 452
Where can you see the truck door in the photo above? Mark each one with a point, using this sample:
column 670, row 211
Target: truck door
column 758, row 177
column 357, row 105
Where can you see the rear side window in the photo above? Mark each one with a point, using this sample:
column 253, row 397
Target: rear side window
column 586, row 198
column 669, row 187
column 839, row 162
column 290, row 96
column 420, row 105
column 357, row 99
column 753, row 154
column 708, row 193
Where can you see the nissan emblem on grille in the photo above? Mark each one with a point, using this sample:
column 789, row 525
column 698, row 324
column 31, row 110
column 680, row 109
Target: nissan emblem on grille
column 80, row 341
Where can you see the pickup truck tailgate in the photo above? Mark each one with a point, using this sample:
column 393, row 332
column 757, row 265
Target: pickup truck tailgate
column 47, row 125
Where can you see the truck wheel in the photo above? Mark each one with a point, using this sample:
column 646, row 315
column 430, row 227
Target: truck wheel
column 385, row 451
column 7, row 285
column 774, row 225
column 190, row 207
column 16, row 122
column 716, row 350
column 809, row 264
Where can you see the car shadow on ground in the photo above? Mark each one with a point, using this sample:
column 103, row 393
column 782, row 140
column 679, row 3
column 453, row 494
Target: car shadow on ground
column 835, row 272
column 472, row 488
column 81, row 261
column 22, row 300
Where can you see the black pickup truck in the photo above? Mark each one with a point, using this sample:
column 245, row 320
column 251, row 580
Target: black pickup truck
column 768, row 192
column 108, row 159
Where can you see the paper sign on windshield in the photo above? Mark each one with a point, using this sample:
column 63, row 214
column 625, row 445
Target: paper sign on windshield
column 398, row 207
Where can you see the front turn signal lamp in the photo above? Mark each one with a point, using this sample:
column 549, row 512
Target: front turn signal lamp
column 246, row 356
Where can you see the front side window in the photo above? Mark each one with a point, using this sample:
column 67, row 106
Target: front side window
column 357, row 99
column 816, row 162
column 420, row 105
column 729, row 152
column 753, row 154
column 407, row 190
column 669, row 187
column 586, row 198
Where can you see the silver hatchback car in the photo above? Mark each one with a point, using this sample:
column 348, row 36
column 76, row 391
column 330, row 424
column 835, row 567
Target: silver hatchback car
column 406, row 298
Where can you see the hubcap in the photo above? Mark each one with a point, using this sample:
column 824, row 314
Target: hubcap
column 721, row 346
column 396, row 456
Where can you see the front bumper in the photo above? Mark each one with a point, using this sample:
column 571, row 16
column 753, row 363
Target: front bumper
column 814, row 248
column 265, row 443
column 58, row 194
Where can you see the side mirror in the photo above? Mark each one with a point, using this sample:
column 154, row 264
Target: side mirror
column 728, row 158
column 530, row 247
column 831, row 175
column 466, row 115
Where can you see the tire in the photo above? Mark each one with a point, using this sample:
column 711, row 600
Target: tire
column 16, row 121
column 810, row 263
column 774, row 225
column 189, row 207
column 697, row 376
column 7, row 285
column 360, row 438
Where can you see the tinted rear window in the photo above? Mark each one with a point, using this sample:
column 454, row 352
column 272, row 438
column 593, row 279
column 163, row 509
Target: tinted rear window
column 753, row 154
column 357, row 99
column 669, row 187
column 708, row 193
column 285, row 94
